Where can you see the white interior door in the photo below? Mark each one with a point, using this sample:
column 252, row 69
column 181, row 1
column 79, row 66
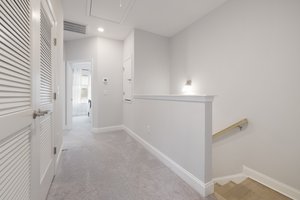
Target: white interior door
column 69, row 97
column 127, row 80
column 45, row 125
column 16, row 107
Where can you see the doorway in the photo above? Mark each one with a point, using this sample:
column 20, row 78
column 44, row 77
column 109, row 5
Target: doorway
column 79, row 93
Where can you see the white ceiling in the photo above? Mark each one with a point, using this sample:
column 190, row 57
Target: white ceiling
column 163, row 17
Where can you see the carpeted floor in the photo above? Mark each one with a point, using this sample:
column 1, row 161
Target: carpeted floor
column 113, row 166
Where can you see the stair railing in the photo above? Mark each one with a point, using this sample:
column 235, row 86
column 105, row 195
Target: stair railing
column 239, row 124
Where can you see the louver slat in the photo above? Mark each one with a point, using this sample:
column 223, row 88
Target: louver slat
column 15, row 69
column 45, row 137
column 16, row 19
column 46, row 92
column 46, row 67
column 15, row 158
column 15, row 93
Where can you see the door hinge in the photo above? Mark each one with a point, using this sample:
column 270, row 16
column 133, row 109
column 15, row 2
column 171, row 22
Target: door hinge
column 54, row 151
column 55, row 41
column 54, row 95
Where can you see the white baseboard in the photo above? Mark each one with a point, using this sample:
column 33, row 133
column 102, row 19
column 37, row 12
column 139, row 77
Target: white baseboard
column 194, row 182
column 272, row 183
column 107, row 129
column 236, row 178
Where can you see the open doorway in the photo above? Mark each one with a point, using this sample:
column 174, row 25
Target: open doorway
column 79, row 93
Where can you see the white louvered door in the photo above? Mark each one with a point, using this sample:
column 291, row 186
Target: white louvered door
column 47, row 165
column 16, row 121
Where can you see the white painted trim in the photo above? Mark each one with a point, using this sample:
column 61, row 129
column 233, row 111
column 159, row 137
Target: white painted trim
column 68, row 91
column 46, row 179
column 47, row 6
column 236, row 178
column 184, row 98
column 204, row 189
column 272, row 183
column 58, row 158
column 65, row 128
column 209, row 188
column 261, row 178
column 124, row 14
column 88, row 7
column 107, row 129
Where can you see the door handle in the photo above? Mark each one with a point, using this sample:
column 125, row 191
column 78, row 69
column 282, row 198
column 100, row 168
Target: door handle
column 39, row 113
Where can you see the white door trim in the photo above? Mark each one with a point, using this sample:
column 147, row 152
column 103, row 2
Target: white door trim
column 69, row 84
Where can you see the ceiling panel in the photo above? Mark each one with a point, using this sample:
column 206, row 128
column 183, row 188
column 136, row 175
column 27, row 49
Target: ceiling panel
column 163, row 17
column 113, row 10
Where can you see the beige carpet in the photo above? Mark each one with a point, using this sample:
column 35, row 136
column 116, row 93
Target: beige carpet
column 113, row 166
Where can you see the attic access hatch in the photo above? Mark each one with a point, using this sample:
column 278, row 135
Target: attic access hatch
column 115, row 11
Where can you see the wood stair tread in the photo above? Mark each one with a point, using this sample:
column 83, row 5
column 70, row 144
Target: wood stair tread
column 247, row 190
column 223, row 189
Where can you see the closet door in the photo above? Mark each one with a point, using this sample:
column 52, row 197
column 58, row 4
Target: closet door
column 45, row 128
column 16, row 111
column 127, row 80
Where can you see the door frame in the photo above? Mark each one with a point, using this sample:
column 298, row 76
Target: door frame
column 69, row 94
column 46, row 179
column 35, row 62
column 36, row 193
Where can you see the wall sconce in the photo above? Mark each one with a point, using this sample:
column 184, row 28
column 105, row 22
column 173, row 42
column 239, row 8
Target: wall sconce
column 187, row 88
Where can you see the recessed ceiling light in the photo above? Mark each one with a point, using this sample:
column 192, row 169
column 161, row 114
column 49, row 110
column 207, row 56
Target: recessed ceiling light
column 100, row 29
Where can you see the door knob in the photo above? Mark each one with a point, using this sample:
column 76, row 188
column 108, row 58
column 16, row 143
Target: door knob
column 40, row 113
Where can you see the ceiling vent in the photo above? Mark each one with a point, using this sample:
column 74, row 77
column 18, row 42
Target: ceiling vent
column 73, row 27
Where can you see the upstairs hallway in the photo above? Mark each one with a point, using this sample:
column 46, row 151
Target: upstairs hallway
column 113, row 166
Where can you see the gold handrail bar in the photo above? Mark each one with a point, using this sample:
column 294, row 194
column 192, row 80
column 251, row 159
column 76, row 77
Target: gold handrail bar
column 239, row 124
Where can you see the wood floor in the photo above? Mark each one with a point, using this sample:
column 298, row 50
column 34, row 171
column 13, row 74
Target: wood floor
column 246, row 190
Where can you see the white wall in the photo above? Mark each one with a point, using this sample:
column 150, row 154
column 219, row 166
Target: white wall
column 110, row 57
column 128, row 49
column 151, row 63
column 170, row 132
column 107, row 56
column 247, row 53
column 179, row 131
column 175, row 129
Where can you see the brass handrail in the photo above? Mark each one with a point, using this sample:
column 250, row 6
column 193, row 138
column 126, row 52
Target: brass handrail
column 239, row 124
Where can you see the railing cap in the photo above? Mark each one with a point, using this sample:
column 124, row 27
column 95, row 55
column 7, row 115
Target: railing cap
column 177, row 97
